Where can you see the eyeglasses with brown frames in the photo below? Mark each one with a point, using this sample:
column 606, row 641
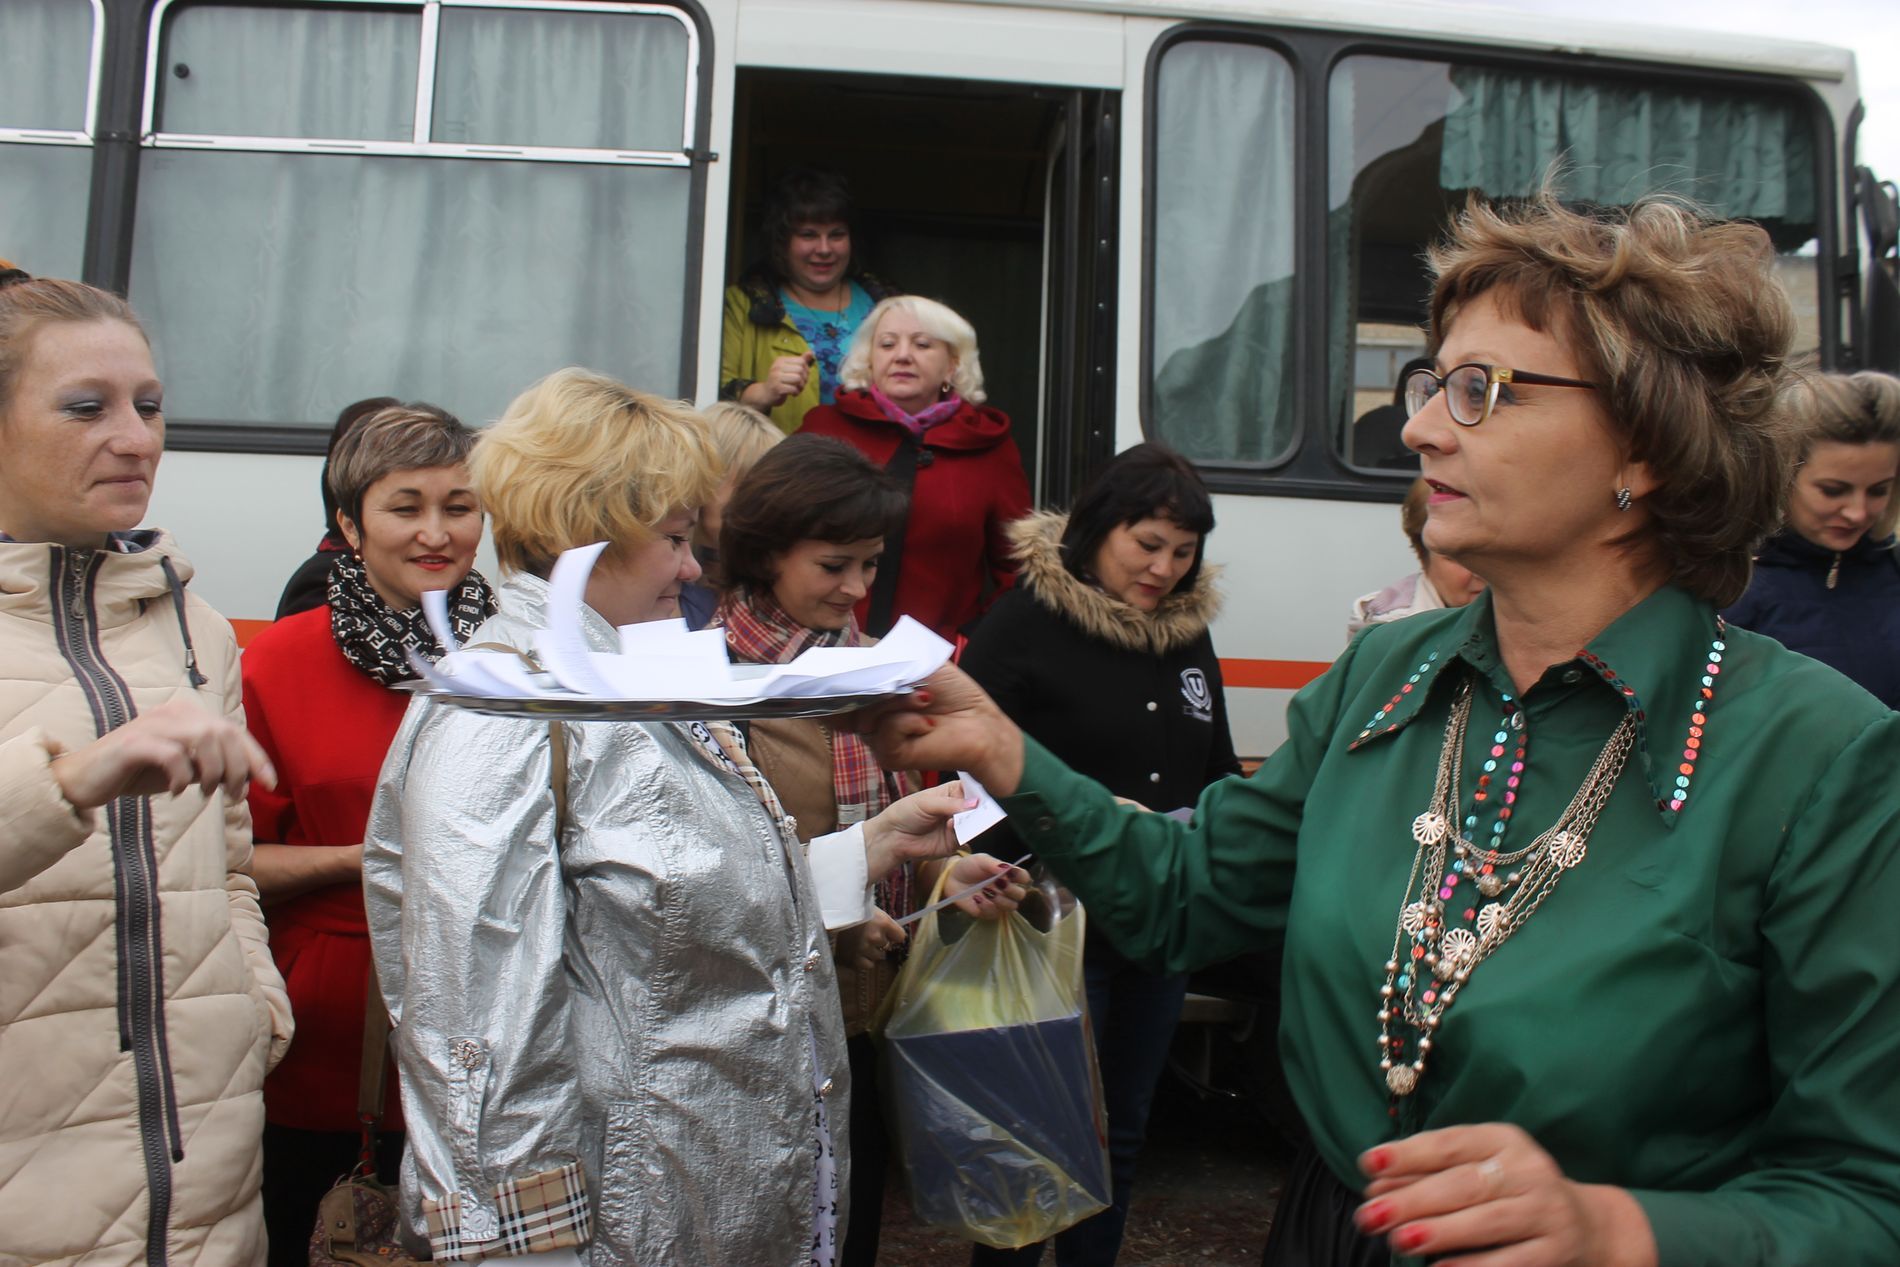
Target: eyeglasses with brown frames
column 1473, row 388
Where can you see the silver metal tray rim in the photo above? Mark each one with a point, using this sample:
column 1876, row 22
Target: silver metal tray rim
column 557, row 708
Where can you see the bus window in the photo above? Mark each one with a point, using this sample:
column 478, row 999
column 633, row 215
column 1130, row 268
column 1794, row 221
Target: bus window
column 325, row 213
column 46, row 97
column 581, row 81
column 347, row 74
column 1221, row 291
column 1413, row 138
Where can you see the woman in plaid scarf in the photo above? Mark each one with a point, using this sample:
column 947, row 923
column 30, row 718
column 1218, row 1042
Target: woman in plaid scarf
column 799, row 547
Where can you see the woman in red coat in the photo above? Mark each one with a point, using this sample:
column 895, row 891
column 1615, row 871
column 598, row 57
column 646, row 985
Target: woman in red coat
column 318, row 697
column 913, row 404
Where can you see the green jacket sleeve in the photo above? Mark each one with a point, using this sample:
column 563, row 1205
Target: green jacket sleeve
column 1181, row 895
column 734, row 354
column 1825, row 1183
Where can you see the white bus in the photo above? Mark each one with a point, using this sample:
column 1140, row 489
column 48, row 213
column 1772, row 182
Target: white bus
column 1198, row 221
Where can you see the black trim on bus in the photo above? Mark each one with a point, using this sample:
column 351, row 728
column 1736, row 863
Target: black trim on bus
column 1853, row 356
column 1313, row 466
column 112, row 206
column 1079, row 399
column 703, row 156
column 113, row 199
column 201, row 436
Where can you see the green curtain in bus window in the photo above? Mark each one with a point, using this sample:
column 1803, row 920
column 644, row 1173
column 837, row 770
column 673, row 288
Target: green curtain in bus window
column 549, row 78
column 346, row 74
column 45, row 64
column 1222, row 291
column 280, row 287
column 1745, row 157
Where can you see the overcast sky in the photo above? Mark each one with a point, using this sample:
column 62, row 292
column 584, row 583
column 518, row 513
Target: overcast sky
column 1869, row 27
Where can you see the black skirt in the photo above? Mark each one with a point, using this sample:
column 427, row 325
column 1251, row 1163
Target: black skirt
column 1313, row 1226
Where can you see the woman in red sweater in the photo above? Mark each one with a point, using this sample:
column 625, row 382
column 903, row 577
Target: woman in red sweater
column 318, row 697
column 913, row 404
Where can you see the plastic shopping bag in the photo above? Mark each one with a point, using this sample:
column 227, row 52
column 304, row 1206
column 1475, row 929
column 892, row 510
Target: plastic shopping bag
column 990, row 1079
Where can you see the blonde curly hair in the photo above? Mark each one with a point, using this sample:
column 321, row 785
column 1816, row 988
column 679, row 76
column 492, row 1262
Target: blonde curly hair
column 580, row 458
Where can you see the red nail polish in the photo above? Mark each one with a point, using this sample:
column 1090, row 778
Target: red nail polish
column 923, row 697
column 1412, row 1238
column 1377, row 1160
column 1374, row 1217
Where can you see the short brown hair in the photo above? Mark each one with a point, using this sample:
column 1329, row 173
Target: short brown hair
column 580, row 458
column 409, row 437
column 810, row 488
column 1679, row 320
column 28, row 303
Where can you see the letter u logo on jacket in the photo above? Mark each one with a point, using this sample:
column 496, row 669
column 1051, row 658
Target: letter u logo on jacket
column 1200, row 700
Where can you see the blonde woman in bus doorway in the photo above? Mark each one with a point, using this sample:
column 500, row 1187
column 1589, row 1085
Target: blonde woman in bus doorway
column 140, row 1009
column 1828, row 585
column 789, row 320
column 1586, row 895
column 323, row 697
column 913, row 404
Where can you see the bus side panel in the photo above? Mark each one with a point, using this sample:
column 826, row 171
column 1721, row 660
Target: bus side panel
column 1292, row 567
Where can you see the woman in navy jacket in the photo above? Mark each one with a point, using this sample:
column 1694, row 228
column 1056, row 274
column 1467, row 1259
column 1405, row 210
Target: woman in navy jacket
column 1829, row 585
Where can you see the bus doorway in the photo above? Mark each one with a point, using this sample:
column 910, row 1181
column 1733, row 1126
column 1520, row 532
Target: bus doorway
column 966, row 192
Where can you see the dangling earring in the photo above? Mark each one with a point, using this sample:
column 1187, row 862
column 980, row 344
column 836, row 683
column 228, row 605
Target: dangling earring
column 944, row 389
column 1624, row 498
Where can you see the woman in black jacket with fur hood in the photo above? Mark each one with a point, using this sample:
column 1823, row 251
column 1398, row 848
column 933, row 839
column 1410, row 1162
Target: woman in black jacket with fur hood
column 1101, row 651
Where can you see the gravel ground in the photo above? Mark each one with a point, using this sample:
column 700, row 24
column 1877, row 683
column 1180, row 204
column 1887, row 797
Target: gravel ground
column 1210, row 1177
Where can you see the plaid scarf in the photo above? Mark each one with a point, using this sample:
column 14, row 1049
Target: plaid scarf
column 759, row 632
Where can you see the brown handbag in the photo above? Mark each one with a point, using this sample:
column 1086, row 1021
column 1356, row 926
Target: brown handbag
column 357, row 1221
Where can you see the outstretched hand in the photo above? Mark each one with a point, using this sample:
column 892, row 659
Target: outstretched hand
column 168, row 749
column 1491, row 1196
column 914, row 828
column 948, row 723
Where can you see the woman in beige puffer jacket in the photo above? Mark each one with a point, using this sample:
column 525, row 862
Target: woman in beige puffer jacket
column 139, row 1007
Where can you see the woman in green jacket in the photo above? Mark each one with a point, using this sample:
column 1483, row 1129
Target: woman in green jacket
column 789, row 321
column 1587, row 897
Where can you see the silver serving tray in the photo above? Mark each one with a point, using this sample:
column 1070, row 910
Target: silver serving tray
column 559, row 709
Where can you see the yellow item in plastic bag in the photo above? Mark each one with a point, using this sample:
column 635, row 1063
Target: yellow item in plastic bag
column 989, row 1077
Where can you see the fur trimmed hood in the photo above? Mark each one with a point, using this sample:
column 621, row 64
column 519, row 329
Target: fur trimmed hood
column 1182, row 616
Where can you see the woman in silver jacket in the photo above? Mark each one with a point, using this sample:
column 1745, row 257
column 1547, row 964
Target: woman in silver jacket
column 625, row 1041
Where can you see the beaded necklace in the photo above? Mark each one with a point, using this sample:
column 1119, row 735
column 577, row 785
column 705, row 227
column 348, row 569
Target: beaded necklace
column 1421, row 985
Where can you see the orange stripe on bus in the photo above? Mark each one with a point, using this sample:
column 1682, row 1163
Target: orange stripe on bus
column 1286, row 674
column 247, row 630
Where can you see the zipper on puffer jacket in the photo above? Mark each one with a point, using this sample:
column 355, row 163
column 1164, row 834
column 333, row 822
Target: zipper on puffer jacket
column 141, row 983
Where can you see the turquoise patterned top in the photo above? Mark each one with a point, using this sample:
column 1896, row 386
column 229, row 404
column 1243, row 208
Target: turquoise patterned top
column 829, row 334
